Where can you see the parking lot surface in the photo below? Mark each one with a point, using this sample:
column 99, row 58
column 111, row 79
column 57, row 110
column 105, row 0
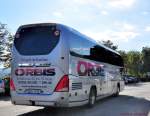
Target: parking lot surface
column 133, row 101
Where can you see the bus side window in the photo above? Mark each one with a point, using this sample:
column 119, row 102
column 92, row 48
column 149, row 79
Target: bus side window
column 102, row 72
column 75, row 46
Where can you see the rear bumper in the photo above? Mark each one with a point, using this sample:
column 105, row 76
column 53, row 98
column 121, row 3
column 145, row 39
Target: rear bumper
column 57, row 99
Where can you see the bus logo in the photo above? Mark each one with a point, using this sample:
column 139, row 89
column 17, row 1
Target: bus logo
column 35, row 72
column 89, row 69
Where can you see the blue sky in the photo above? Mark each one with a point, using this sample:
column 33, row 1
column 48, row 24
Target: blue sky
column 125, row 22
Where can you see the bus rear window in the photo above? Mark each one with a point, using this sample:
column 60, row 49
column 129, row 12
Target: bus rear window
column 37, row 40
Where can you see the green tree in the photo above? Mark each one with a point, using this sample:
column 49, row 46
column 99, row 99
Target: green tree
column 124, row 56
column 146, row 59
column 6, row 39
column 134, row 63
column 125, row 59
column 110, row 44
column 133, row 60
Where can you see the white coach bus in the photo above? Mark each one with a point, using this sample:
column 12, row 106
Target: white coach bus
column 54, row 65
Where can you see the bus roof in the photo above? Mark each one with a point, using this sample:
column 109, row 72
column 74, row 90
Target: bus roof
column 89, row 38
column 72, row 30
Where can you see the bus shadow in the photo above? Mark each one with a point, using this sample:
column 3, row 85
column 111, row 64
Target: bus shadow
column 111, row 106
column 136, row 84
column 4, row 97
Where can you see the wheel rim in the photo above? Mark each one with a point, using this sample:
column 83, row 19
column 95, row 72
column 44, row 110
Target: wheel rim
column 118, row 90
column 92, row 98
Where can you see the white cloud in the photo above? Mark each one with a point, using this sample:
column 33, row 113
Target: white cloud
column 124, row 33
column 128, row 26
column 58, row 14
column 124, row 26
column 87, row 2
column 124, row 36
column 121, row 3
column 103, row 12
column 79, row 3
column 147, row 28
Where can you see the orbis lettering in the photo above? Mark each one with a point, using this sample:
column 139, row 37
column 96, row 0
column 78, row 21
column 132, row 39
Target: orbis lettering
column 89, row 69
column 35, row 72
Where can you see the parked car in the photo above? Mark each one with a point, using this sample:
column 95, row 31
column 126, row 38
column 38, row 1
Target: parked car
column 130, row 79
column 7, row 83
column 2, row 86
column 5, row 76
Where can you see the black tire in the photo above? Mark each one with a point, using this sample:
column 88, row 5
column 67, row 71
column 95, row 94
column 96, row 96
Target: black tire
column 92, row 97
column 117, row 92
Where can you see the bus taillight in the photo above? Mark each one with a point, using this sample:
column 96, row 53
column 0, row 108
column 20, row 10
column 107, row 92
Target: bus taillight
column 12, row 86
column 63, row 84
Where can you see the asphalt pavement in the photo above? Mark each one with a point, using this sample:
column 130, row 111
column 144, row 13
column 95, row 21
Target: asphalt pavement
column 133, row 101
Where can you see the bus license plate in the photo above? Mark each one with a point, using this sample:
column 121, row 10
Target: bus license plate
column 33, row 91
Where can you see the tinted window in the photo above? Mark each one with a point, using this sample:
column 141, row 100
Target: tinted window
column 101, row 54
column 84, row 48
column 75, row 46
column 38, row 40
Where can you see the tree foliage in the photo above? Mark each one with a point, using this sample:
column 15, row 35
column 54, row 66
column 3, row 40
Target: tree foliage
column 124, row 56
column 110, row 44
column 146, row 59
column 5, row 45
column 136, row 63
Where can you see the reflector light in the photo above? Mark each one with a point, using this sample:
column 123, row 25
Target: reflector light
column 57, row 33
column 63, row 84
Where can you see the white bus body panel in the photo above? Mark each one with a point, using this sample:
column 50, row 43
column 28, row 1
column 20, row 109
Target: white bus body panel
column 45, row 83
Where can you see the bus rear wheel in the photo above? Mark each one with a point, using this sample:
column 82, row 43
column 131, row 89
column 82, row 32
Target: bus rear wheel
column 92, row 97
column 117, row 91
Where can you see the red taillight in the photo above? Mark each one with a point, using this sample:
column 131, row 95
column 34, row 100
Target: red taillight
column 63, row 84
column 12, row 86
